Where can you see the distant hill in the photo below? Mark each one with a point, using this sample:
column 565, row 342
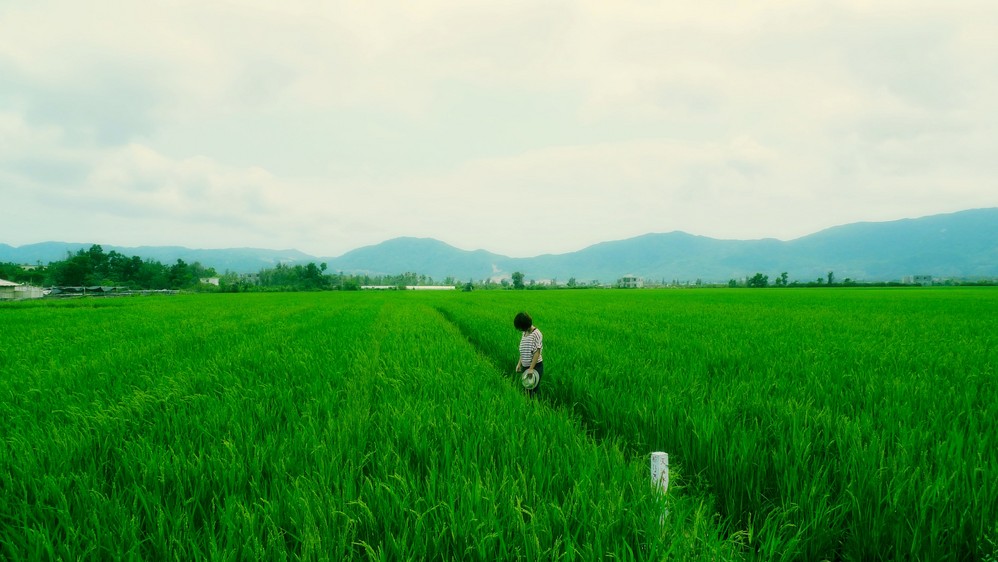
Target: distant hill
column 957, row 244
column 962, row 244
column 418, row 255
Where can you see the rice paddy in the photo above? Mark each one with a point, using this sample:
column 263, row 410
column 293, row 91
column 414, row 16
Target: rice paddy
column 828, row 424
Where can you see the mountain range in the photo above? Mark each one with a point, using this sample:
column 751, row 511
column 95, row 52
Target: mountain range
column 962, row 244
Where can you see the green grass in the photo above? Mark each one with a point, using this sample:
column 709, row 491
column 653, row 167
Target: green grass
column 801, row 425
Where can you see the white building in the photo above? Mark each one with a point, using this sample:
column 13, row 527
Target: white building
column 10, row 291
column 630, row 282
column 923, row 280
column 7, row 290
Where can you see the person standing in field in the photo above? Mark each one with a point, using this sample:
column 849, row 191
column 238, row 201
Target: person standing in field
column 531, row 344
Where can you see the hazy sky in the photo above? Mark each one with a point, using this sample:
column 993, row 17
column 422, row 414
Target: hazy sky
column 518, row 127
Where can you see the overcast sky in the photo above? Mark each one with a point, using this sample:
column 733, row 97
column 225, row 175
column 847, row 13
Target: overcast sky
column 522, row 128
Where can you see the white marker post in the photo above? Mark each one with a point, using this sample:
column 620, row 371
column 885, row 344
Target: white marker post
column 660, row 476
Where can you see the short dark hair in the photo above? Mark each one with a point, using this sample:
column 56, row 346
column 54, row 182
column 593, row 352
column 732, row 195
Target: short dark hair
column 523, row 322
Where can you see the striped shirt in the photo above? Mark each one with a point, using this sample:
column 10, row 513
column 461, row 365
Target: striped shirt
column 531, row 341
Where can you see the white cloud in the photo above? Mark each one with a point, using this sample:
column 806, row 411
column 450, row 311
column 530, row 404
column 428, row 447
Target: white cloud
column 325, row 126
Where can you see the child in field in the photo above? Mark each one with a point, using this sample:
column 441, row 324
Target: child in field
column 530, row 347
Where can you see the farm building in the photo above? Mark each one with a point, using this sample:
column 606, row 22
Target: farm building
column 10, row 291
column 917, row 280
column 630, row 282
column 7, row 290
column 94, row 291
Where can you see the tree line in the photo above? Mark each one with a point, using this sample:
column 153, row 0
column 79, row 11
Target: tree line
column 760, row 280
column 95, row 267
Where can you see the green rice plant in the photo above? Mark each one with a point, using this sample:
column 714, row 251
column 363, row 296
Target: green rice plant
column 303, row 427
column 151, row 445
column 802, row 425
column 833, row 424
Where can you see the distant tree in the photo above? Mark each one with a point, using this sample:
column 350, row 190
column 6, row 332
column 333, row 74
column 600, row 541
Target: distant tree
column 74, row 271
column 98, row 264
column 732, row 283
column 759, row 280
column 572, row 282
column 517, row 280
column 94, row 267
column 153, row 275
column 229, row 282
column 180, row 275
column 831, row 277
column 13, row 272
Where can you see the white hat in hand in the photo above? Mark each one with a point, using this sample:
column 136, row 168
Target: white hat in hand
column 530, row 378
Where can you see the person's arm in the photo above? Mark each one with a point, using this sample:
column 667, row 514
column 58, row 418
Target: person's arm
column 518, row 365
column 534, row 357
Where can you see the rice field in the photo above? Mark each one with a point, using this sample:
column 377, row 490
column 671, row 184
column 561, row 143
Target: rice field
column 800, row 425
